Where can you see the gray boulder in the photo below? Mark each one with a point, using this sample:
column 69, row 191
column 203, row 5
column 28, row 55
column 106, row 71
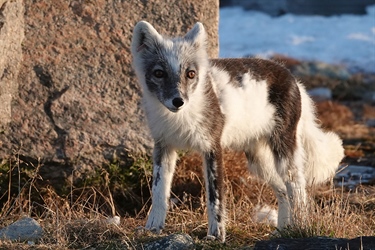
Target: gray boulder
column 73, row 101
column 172, row 242
column 22, row 230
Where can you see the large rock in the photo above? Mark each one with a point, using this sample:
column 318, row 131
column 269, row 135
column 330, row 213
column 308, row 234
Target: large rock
column 314, row 243
column 11, row 36
column 78, row 103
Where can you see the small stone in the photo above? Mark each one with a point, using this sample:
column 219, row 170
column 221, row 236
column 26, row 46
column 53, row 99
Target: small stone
column 172, row 242
column 320, row 94
column 369, row 97
column 370, row 123
column 25, row 229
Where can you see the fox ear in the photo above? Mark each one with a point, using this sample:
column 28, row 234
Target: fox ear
column 197, row 35
column 144, row 36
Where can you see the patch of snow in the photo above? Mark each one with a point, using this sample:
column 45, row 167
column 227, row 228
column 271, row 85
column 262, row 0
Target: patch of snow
column 343, row 39
column 265, row 214
column 115, row 220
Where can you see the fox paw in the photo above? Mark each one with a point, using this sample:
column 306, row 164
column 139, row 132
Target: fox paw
column 209, row 238
column 216, row 233
column 154, row 230
column 143, row 230
column 153, row 227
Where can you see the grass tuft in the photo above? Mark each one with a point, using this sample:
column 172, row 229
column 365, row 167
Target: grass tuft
column 76, row 219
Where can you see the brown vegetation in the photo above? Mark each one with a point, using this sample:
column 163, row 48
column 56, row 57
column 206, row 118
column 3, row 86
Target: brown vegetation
column 78, row 218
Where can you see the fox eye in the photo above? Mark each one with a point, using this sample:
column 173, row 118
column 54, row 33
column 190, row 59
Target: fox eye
column 190, row 74
column 159, row 73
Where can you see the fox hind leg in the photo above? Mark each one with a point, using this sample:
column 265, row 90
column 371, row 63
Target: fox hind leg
column 291, row 170
column 262, row 163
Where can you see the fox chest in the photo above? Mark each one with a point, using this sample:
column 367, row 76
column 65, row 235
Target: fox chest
column 183, row 130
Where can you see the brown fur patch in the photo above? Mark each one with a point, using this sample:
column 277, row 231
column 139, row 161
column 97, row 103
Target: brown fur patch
column 283, row 94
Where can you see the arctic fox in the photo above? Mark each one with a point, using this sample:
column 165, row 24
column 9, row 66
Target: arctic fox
column 250, row 105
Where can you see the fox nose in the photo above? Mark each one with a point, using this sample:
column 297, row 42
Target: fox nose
column 178, row 102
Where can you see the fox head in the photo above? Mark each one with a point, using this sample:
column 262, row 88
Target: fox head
column 169, row 69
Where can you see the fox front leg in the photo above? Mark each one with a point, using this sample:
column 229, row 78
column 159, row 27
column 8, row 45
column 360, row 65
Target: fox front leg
column 214, row 179
column 164, row 162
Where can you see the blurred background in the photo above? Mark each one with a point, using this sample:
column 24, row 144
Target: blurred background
column 302, row 7
column 336, row 32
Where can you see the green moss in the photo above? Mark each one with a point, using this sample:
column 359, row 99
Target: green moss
column 121, row 186
column 126, row 181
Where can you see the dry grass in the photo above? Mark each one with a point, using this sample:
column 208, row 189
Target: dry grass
column 78, row 219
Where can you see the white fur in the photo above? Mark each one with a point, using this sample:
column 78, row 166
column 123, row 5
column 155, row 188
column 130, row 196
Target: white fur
column 248, row 113
column 250, row 120
column 323, row 150
column 181, row 130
